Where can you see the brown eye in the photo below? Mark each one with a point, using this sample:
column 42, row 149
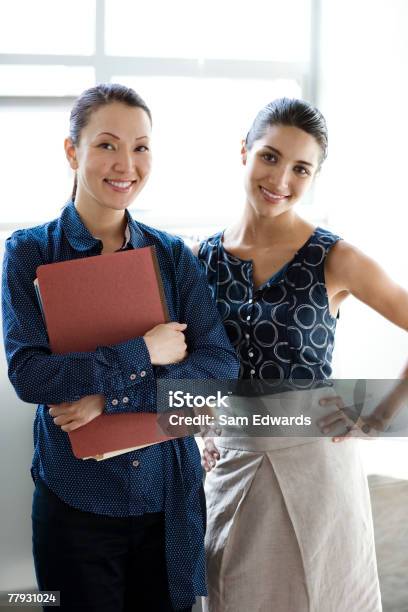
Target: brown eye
column 269, row 157
column 301, row 170
column 106, row 145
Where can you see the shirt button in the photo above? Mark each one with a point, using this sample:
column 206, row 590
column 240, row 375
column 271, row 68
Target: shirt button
column 251, row 354
column 132, row 377
column 142, row 373
column 250, row 301
column 247, row 336
column 115, row 402
column 252, row 372
column 125, row 400
column 135, row 463
column 248, row 317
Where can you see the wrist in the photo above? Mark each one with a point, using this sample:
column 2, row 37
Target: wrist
column 379, row 419
column 150, row 349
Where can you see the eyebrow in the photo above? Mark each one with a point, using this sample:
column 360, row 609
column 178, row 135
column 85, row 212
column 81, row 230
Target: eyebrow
column 117, row 137
column 299, row 161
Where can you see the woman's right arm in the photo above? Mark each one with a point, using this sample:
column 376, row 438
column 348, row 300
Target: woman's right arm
column 37, row 375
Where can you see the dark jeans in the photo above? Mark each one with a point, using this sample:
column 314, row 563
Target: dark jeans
column 99, row 563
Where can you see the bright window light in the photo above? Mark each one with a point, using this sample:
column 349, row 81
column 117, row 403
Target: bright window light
column 46, row 26
column 45, row 80
column 38, row 178
column 269, row 30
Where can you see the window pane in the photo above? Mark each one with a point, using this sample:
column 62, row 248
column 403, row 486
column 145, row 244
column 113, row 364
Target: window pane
column 198, row 125
column 46, row 26
column 32, row 157
column 45, row 80
column 231, row 29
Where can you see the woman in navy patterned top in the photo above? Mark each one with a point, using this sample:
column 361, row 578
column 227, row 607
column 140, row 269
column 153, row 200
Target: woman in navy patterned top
column 282, row 328
column 289, row 518
column 125, row 533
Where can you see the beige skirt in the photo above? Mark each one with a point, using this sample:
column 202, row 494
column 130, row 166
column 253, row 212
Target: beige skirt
column 289, row 528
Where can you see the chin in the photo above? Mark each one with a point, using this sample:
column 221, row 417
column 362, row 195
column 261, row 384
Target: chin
column 268, row 209
column 116, row 205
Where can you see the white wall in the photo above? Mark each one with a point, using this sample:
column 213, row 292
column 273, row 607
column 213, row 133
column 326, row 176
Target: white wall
column 364, row 96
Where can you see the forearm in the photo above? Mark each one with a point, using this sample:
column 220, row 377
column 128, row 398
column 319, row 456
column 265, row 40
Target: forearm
column 205, row 363
column 393, row 402
column 41, row 377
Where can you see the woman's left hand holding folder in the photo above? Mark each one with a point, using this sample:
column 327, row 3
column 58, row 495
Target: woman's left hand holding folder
column 72, row 415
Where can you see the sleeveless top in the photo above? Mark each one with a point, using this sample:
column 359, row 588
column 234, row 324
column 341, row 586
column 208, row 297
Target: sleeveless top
column 283, row 331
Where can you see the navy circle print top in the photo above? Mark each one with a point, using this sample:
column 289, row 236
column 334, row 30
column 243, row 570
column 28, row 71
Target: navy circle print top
column 282, row 331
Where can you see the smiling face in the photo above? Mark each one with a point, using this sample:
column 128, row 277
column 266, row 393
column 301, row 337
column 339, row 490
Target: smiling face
column 280, row 167
column 112, row 159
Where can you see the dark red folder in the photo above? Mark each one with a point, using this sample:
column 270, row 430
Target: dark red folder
column 100, row 301
column 110, row 435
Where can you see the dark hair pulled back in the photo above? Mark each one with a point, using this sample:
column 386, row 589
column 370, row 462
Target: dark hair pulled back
column 94, row 98
column 290, row 112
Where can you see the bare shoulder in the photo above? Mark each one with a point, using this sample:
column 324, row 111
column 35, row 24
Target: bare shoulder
column 345, row 258
column 348, row 268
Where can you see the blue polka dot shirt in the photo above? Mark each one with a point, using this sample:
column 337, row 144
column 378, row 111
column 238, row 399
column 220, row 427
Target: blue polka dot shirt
column 164, row 477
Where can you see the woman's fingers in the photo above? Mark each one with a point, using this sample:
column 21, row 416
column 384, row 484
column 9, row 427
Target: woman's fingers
column 68, row 421
column 331, row 419
column 207, row 461
column 177, row 326
column 59, row 409
column 62, row 420
column 343, row 415
column 334, row 418
column 210, row 455
column 363, row 429
column 211, row 448
column 354, row 432
column 166, row 343
column 72, row 425
column 335, row 400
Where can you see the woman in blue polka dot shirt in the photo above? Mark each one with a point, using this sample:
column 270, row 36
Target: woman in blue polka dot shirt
column 126, row 533
column 290, row 526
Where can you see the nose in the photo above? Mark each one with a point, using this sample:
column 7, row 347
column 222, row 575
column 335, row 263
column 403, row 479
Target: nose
column 124, row 162
column 279, row 178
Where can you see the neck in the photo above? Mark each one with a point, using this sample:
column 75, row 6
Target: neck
column 256, row 230
column 103, row 223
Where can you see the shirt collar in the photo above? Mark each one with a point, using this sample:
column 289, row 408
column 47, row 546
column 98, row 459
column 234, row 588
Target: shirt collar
column 81, row 239
column 134, row 234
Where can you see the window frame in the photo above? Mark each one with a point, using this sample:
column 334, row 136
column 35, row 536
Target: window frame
column 307, row 74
